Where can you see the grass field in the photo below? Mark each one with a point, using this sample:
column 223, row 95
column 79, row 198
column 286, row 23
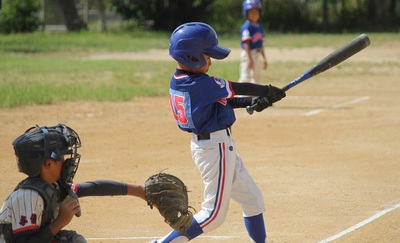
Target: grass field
column 325, row 157
column 43, row 68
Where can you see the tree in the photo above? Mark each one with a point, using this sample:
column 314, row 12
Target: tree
column 72, row 20
column 162, row 14
column 325, row 14
column 19, row 16
column 381, row 12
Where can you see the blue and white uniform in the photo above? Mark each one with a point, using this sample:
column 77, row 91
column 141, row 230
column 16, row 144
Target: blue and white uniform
column 199, row 102
column 254, row 35
column 200, row 106
column 203, row 106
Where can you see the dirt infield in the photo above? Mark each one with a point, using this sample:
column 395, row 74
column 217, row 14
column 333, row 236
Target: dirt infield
column 326, row 158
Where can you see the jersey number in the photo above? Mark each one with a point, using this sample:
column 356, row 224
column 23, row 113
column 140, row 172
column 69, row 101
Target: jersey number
column 178, row 109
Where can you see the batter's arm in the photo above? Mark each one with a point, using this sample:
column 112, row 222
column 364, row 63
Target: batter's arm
column 241, row 102
column 250, row 89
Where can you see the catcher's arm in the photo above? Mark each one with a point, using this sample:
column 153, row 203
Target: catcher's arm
column 108, row 188
column 136, row 191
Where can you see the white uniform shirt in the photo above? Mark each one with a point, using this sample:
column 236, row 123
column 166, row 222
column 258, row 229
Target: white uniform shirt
column 23, row 209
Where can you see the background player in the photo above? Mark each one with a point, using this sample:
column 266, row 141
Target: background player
column 204, row 106
column 251, row 41
column 45, row 202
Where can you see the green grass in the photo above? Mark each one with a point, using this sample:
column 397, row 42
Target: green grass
column 80, row 43
column 48, row 80
column 44, row 68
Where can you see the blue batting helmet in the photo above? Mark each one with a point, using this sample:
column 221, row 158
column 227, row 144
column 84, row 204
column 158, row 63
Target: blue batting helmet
column 248, row 4
column 190, row 40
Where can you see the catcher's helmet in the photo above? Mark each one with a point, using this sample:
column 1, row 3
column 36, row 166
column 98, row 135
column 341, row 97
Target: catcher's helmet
column 248, row 4
column 40, row 143
column 189, row 41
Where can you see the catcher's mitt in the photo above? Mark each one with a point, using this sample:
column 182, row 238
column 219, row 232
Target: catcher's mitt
column 170, row 196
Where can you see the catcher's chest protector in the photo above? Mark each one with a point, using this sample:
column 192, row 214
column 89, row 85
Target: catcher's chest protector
column 7, row 232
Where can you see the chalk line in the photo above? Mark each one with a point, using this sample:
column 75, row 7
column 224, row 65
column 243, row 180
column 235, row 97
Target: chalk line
column 361, row 224
column 218, row 237
column 361, row 99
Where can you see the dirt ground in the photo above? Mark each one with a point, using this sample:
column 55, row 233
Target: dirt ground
column 326, row 157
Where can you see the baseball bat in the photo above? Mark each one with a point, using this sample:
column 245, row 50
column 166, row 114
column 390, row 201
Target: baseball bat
column 336, row 57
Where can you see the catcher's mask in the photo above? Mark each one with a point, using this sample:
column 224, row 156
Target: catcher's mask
column 40, row 143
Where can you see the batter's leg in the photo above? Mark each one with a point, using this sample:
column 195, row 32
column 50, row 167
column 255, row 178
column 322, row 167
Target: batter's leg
column 256, row 228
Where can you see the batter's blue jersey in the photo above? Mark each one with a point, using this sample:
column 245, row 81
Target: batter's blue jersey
column 199, row 104
column 252, row 32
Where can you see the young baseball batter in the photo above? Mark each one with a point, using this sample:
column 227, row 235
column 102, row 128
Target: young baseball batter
column 203, row 106
column 251, row 41
column 46, row 201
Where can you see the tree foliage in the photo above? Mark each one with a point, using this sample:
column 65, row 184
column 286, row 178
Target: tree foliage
column 19, row 16
column 278, row 15
column 224, row 15
column 162, row 14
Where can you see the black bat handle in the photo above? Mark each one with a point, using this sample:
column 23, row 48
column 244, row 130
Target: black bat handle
column 250, row 109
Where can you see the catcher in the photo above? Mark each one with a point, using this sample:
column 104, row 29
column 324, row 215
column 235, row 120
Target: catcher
column 46, row 201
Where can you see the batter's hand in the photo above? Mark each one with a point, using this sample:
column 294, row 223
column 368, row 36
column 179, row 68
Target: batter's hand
column 275, row 94
column 260, row 103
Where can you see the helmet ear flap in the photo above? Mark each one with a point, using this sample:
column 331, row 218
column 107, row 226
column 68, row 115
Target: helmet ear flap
column 192, row 58
column 190, row 61
column 198, row 61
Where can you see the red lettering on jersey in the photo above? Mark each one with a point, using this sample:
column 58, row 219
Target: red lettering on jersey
column 258, row 36
column 23, row 221
column 33, row 218
column 178, row 109
column 172, row 107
